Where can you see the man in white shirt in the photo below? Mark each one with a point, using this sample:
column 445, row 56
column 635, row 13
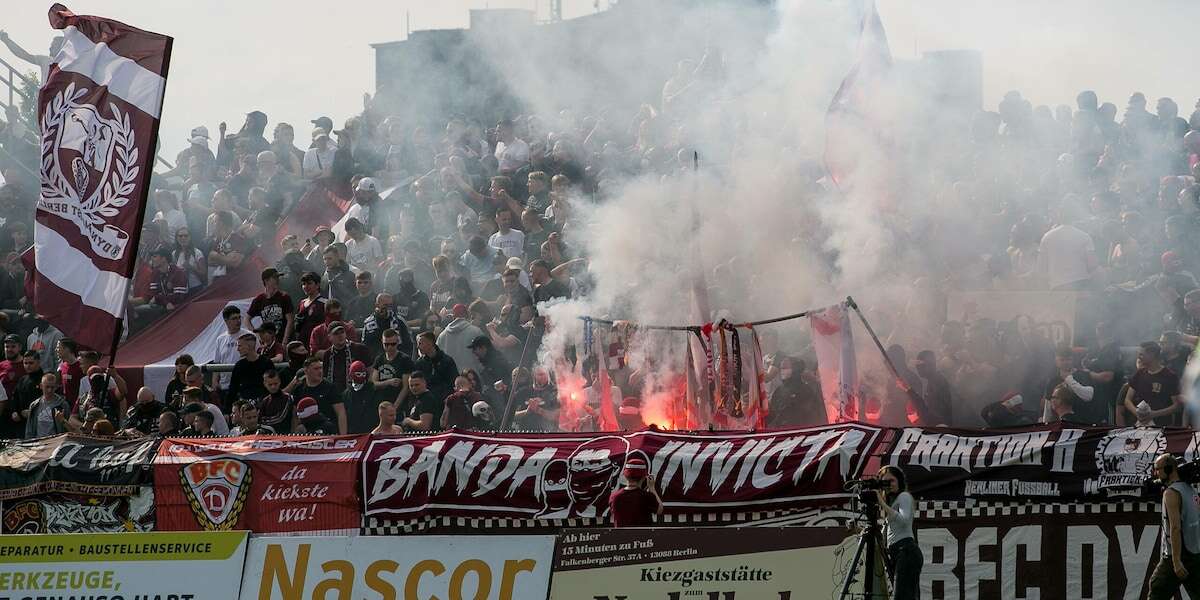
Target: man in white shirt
column 1067, row 256
column 363, row 251
column 168, row 210
column 227, row 353
column 318, row 160
column 506, row 239
column 511, row 151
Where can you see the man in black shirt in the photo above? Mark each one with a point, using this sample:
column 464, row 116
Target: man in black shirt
column 246, row 381
column 391, row 367
column 495, row 369
column 421, row 409
column 546, row 287
column 361, row 400
column 142, row 417
column 249, row 422
column 439, row 369
column 1103, row 365
column 1079, row 382
column 309, row 383
column 26, row 391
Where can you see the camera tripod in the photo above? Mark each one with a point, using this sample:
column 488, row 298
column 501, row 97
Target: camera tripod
column 867, row 552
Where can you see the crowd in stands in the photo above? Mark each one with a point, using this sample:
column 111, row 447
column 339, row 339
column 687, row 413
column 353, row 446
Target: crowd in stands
column 424, row 312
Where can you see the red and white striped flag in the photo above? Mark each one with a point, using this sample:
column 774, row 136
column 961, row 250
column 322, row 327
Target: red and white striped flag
column 99, row 112
column 857, row 121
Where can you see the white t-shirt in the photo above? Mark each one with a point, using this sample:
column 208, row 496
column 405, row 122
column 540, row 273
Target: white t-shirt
column 1066, row 255
column 227, row 354
column 358, row 211
column 364, row 254
column 512, row 156
column 317, row 160
column 511, row 243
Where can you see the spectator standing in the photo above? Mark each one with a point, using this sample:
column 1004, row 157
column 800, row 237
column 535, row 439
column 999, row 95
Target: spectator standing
column 341, row 354
column 47, row 414
column 311, row 384
column 70, row 373
column 227, row 346
column 311, row 310
column 227, row 247
column 385, row 318
column 275, row 408
column 1067, row 256
column 506, row 239
column 637, row 502
column 1154, row 395
column 439, row 368
column 361, row 399
column 455, row 340
column 935, row 390
column 420, row 408
column 245, row 383
column 273, row 305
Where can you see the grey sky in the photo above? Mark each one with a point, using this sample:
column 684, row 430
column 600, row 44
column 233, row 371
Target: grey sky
column 301, row 59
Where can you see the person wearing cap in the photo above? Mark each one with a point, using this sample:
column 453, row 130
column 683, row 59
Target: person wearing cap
column 311, row 420
column 314, row 247
column 273, row 305
column 318, row 159
column 246, row 381
column 197, row 151
column 368, row 209
column 318, row 341
column 361, row 399
column 637, row 502
column 457, row 337
column 341, row 354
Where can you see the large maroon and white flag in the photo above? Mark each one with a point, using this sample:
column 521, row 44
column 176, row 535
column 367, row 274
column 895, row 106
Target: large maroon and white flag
column 837, row 364
column 99, row 112
column 856, row 123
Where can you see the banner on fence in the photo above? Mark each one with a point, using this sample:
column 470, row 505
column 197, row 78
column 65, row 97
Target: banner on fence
column 728, row 564
column 1015, row 552
column 560, row 476
column 1048, row 463
column 75, row 464
column 199, row 566
column 69, row 513
column 491, row 567
column 286, row 484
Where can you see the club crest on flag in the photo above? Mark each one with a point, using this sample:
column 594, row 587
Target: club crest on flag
column 216, row 490
column 89, row 168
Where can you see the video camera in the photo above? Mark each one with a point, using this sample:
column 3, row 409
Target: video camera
column 1189, row 473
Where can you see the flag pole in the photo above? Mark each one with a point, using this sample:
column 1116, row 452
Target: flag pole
column 917, row 401
column 136, row 237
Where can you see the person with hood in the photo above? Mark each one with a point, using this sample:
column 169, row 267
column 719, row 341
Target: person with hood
column 47, row 414
column 142, row 417
column 250, row 138
column 794, row 403
column 494, row 370
column 382, row 319
column 339, row 279
column 368, row 210
column 312, row 420
column 44, row 339
column 457, row 337
column 361, row 400
column 409, row 301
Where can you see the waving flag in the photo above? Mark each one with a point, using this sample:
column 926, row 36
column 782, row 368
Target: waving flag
column 99, row 112
column 856, row 122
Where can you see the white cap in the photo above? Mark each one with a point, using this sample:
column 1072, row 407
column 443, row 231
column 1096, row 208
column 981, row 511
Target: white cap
column 366, row 184
column 515, row 263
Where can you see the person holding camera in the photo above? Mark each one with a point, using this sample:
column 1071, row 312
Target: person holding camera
column 1179, row 561
column 635, row 504
column 904, row 558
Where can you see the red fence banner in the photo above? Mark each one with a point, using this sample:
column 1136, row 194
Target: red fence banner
column 285, row 484
column 1039, row 551
column 1047, row 463
column 563, row 476
column 98, row 111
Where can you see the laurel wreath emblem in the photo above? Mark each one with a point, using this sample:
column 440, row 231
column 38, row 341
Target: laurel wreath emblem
column 108, row 199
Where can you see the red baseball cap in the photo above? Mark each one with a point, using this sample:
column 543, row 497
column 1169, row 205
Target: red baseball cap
column 459, row 311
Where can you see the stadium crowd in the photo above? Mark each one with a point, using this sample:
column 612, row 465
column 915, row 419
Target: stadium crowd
column 424, row 313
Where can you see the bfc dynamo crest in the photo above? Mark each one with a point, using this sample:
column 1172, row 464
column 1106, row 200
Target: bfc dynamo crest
column 89, row 168
column 216, row 491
